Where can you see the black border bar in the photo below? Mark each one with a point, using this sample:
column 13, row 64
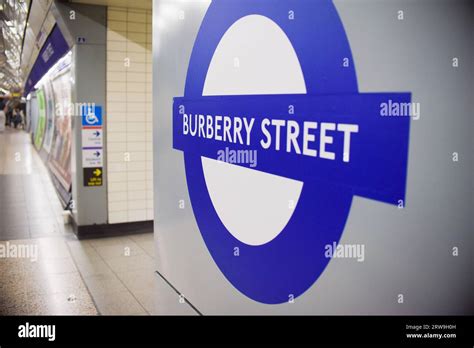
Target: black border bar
column 291, row 330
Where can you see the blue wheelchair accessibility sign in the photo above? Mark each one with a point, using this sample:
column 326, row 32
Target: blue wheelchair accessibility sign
column 91, row 115
column 332, row 139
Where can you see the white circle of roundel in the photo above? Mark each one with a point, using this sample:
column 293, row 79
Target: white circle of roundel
column 91, row 118
column 253, row 57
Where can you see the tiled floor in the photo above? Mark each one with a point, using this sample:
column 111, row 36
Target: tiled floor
column 118, row 272
column 62, row 275
column 46, row 284
column 29, row 206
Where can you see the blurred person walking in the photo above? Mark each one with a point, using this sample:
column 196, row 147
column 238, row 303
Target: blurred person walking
column 17, row 117
column 10, row 103
column 3, row 118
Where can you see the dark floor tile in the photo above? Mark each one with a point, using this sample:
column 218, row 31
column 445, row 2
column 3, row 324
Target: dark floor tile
column 11, row 217
column 18, row 220
column 40, row 214
column 62, row 304
column 50, row 221
column 14, row 233
column 4, row 204
column 45, row 228
column 9, row 224
column 8, row 200
column 15, row 308
column 11, row 183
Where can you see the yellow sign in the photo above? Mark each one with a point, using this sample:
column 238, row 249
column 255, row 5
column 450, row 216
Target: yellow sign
column 92, row 177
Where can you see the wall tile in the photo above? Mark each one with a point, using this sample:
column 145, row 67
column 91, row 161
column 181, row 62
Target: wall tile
column 137, row 17
column 137, row 195
column 118, row 217
column 118, row 206
column 136, row 166
column 117, row 46
column 115, row 35
column 118, row 196
column 137, row 215
column 129, row 115
column 117, row 14
column 116, row 25
column 136, row 27
column 138, row 204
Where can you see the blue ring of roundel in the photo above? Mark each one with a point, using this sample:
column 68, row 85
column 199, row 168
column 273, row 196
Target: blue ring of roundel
column 287, row 266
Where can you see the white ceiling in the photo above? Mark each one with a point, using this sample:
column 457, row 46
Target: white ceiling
column 40, row 23
column 12, row 26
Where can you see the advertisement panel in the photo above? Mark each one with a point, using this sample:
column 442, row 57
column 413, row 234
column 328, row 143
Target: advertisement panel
column 41, row 124
column 60, row 156
column 50, row 115
column 32, row 114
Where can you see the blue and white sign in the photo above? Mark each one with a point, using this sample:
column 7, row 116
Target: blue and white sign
column 278, row 79
column 91, row 115
column 92, row 145
column 92, row 158
column 92, row 138
column 53, row 49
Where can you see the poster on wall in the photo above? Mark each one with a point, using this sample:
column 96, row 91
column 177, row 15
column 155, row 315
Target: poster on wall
column 28, row 114
column 41, row 124
column 49, row 108
column 32, row 116
column 60, row 155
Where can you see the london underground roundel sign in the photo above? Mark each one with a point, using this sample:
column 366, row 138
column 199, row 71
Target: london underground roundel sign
column 271, row 88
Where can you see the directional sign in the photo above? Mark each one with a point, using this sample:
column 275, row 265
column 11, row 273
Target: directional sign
column 92, row 138
column 93, row 176
column 92, row 144
column 92, row 157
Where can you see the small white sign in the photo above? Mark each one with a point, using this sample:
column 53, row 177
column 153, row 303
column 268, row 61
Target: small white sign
column 92, row 158
column 92, row 138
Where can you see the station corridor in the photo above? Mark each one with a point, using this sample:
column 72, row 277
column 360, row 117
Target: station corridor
column 63, row 275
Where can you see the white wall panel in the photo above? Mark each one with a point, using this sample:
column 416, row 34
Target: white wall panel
column 128, row 110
